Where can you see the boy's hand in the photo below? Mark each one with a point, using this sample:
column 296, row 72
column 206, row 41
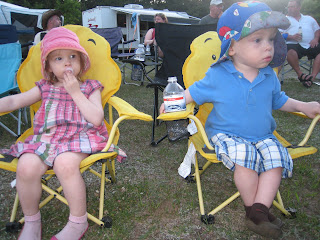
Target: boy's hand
column 161, row 110
column 312, row 109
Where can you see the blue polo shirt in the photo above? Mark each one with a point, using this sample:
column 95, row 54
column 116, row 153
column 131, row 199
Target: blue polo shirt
column 241, row 108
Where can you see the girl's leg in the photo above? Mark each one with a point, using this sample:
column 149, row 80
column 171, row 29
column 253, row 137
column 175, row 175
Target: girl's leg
column 66, row 167
column 29, row 172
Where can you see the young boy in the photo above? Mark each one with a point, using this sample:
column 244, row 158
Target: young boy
column 244, row 90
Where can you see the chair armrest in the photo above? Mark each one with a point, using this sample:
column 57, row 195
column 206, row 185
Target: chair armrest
column 125, row 109
column 300, row 114
column 178, row 115
column 129, row 41
column 310, row 129
column 4, row 113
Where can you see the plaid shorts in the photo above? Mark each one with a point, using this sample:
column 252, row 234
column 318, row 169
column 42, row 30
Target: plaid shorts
column 259, row 156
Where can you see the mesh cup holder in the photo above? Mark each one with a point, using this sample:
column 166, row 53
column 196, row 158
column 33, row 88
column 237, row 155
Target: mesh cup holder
column 136, row 73
column 177, row 129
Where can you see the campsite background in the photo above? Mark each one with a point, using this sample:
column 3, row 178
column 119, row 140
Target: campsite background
column 150, row 200
column 72, row 8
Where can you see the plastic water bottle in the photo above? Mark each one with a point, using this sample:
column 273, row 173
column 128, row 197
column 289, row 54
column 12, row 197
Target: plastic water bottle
column 148, row 53
column 300, row 31
column 173, row 96
column 140, row 54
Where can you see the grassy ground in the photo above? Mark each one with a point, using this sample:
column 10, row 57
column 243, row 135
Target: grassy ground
column 151, row 201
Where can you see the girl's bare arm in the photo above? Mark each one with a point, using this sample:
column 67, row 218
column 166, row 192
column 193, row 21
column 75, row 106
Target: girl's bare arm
column 14, row 102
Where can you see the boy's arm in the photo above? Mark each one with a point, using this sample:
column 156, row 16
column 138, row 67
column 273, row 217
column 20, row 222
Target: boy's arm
column 311, row 109
column 188, row 97
column 187, row 94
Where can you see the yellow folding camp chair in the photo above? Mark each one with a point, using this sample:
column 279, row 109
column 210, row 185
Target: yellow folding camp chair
column 104, row 69
column 205, row 50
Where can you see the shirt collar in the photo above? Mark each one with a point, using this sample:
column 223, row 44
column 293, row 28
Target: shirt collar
column 263, row 72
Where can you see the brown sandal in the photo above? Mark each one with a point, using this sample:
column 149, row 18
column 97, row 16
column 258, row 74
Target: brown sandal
column 306, row 80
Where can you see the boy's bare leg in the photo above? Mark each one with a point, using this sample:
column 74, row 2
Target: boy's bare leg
column 29, row 172
column 257, row 189
column 268, row 186
column 258, row 193
column 246, row 181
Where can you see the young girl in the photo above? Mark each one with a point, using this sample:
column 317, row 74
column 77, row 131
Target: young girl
column 67, row 128
column 244, row 89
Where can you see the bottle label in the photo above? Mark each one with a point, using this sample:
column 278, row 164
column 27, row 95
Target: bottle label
column 139, row 58
column 174, row 103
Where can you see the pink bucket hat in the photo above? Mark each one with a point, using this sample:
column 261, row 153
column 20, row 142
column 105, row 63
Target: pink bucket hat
column 61, row 38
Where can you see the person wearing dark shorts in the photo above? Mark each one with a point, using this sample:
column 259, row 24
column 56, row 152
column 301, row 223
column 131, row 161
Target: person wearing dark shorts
column 303, row 40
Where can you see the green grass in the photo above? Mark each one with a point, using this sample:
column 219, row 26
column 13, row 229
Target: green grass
column 151, row 201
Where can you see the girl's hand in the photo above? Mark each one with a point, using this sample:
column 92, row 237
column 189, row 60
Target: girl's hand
column 71, row 83
column 161, row 110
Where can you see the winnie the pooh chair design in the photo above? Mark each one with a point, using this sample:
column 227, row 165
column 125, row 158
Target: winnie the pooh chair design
column 104, row 69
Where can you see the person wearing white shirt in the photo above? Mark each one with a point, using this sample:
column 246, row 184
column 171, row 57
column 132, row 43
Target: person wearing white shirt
column 303, row 40
column 50, row 19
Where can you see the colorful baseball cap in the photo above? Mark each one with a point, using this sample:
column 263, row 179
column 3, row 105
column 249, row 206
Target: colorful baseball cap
column 61, row 38
column 243, row 18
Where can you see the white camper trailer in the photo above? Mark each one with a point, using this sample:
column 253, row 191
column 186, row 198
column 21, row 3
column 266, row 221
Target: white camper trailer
column 25, row 19
column 109, row 17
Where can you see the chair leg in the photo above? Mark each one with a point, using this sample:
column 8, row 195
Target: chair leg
column 15, row 208
column 155, row 120
column 279, row 204
column 209, row 218
column 102, row 186
column 200, row 196
column 12, row 226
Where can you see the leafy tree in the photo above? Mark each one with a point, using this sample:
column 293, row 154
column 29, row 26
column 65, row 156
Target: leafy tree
column 312, row 8
column 71, row 9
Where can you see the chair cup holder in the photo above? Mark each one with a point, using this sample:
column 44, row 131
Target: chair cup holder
column 136, row 73
column 177, row 129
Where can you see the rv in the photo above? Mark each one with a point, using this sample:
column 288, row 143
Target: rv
column 26, row 20
column 133, row 19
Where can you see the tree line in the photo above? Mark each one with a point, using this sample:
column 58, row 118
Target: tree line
column 72, row 9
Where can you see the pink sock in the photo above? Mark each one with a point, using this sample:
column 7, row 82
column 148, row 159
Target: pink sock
column 75, row 228
column 31, row 228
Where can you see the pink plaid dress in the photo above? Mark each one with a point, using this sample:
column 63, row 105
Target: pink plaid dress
column 60, row 127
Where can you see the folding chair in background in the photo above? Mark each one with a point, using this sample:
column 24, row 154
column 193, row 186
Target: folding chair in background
column 205, row 50
column 10, row 60
column 174, row 41
column 114, row 36
column 108, row 73
column 304, row 63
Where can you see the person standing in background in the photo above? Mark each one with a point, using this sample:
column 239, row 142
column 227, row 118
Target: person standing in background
column 150, row 39
column 216, row 9
column 50, row 19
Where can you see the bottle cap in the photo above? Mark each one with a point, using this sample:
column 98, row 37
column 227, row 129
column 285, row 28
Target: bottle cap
column 172, row 79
